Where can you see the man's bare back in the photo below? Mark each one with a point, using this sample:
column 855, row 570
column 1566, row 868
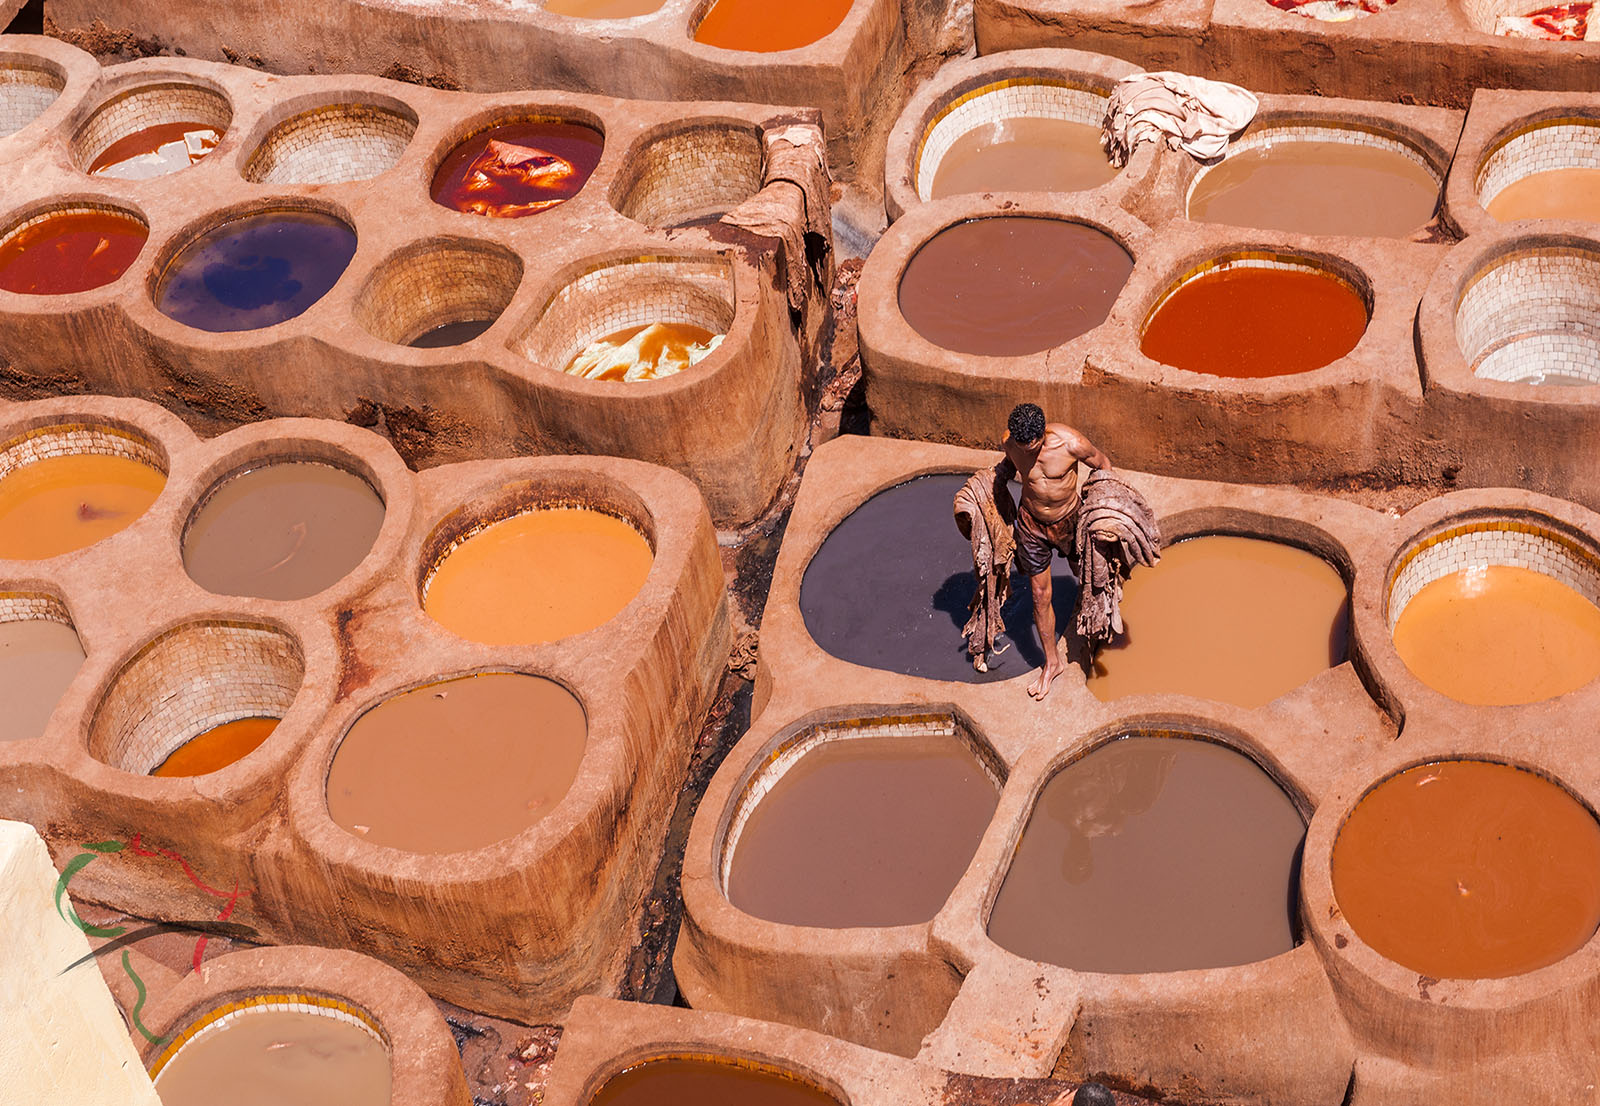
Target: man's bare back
column 1046, row 457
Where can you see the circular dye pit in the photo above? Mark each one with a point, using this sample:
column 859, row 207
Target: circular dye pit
column 155, row 151
column 1232, row 619
column 256, row 271
column 763, row 27
column 1553, row 194
column 459, row 764
column 217, row 747
column 283, row 531
column 1364, row 185
column 694, row 175
column 889, row 588
column 1153, row 854
column 518, row 169
column 278, row 1054
column 538, row 576
column 451, row 334
column 1332, row 11
column 1519, row 319
column 648, row 352
column 1012, row 285
column 865, row 828
column 1469, row 870
column 603, row 9
column 333, row 143
column 1484, row 619
column 25, row 93
column 1023, row 154
column 39, row 657
column 58, row 504
column 1548, row 170
column 1250, row 320
column 70, row 251
column 682, row 1081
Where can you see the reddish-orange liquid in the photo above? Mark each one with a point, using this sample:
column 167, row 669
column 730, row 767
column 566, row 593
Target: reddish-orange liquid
column 518, row 169
column 1470, row 870
column 155, row 151
column 1253, row 322
column 217, row 748
column 766, row 26
column 70, row 252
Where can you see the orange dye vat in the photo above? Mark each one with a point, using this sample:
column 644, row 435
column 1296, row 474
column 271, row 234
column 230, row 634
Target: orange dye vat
column 217, row 748
column 59, row 504
column 1255, row 322
column 1470, row 870
column 155, row 151
column 518, row 169
column 73, row 251
column 765, row 27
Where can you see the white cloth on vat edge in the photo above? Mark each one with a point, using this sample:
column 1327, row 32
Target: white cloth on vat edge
column 1190, row 114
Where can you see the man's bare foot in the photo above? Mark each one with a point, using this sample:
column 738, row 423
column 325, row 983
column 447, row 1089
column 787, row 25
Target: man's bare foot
column 1047, row 676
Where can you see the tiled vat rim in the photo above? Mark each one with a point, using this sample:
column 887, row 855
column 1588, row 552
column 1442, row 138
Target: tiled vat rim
column 146, row 105
column 697, row 168
column 332, row 143
column 1569, row 142
column 1322, row 130
column 804, row 737
column 1532, row 310
column 65, row 439
column 292, row 1003
column 1260, row 259
column 26, row 90
column 31, row 606
column 73, row 207
column 1516, row 543
column 1034, row 97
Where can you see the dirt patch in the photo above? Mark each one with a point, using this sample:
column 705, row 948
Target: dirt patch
column 105, row 43
column 420, row 436
column 400, row 71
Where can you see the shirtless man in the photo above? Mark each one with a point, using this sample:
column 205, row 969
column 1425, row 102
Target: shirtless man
column 1046, row 458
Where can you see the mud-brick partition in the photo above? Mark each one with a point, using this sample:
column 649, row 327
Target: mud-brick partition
column 517, row 927
column 365, row 150
column 856, row 75
column 1329, row 1022
column 1429, row 53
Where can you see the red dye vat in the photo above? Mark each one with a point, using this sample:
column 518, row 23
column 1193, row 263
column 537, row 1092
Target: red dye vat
column 73, row 251
column 764, row 26
column 519, row 169
column 1256, row 322
column 1557, row 23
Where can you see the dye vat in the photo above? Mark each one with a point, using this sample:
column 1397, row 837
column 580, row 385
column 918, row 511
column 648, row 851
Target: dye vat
column 1252, row 321
column 603, row 9
column 518, row 169
column 156, row 151
column 256, row 271
column 538, row 576
column 38, row 660
column 70, row 251
column 889, row 588
column 1232, row 619
column 863, row 830
column 1555, row 194
column 1469, row 870
column 645, row 352
column 1012, row 285
column 458, row 764
column 1153, row 855
column 1555, row 23
column 217, row 747
column 283, row 531
column 451, row 334
column 1318, row 187
column 1023, row 154
column 59, row 504
column 278, row 1056
column 686, row 1081
column 761, row 26
column 1498, row 635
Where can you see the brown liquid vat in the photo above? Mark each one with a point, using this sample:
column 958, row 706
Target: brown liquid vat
column 262, row 823
column 360, row 149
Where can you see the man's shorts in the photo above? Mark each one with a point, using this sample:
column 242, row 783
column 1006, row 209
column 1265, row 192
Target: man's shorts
column 1038, row 543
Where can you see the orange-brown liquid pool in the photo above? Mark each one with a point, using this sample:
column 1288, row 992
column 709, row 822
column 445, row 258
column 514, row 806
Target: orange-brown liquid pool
column 1498, row 635
column 155, row 151
column 1233, row 619
column 518, row 169
column 458, row 764
column 644, row 352
column 217, row 748
column 38, row 660
column 1470, row 870
column 682, row 1081
column 1553, row 194
column 539, row 576
column 279, row 1058
column 70, row 252
column 1023, row 154
column 1255, row 322
column 766, row 26
column 60, row 504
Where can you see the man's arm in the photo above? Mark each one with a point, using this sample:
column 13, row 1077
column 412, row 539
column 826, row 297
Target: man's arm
column 1083, row 449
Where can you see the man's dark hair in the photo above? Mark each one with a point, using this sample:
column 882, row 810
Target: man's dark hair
column 1093, row 1094
column 1026, row 423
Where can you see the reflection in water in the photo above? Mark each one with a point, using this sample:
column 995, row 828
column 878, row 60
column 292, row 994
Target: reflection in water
column 1097, row 799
